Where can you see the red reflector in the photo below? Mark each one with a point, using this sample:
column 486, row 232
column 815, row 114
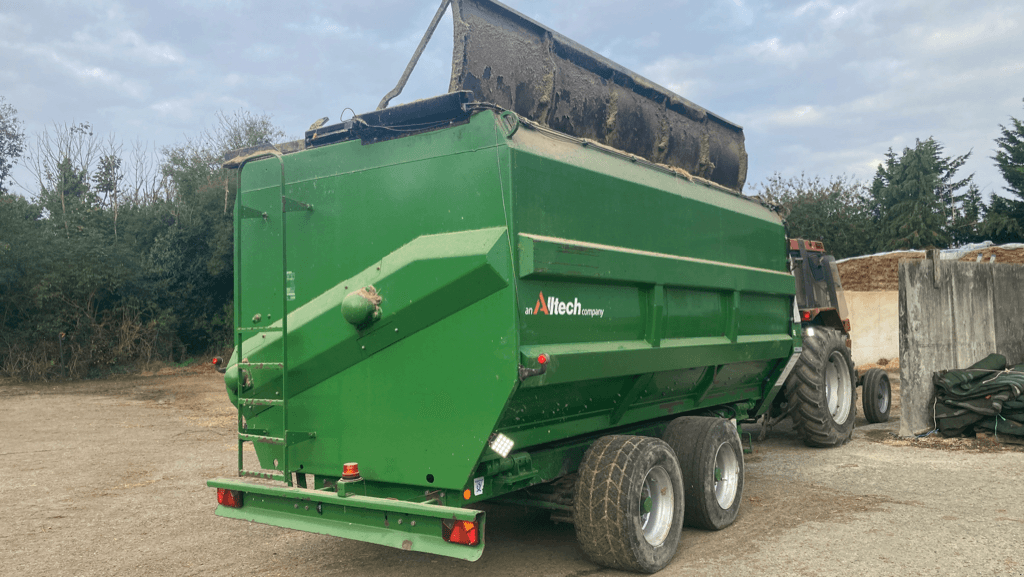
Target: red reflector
column 350, row 471
column 542, row 359
column 229, row 498
column 805, row 315
column 460, row 532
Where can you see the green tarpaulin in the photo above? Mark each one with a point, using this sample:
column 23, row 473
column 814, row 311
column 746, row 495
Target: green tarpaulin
column 986, row 396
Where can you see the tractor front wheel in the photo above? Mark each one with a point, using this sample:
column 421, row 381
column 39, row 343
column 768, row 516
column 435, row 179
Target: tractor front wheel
column 877, row 395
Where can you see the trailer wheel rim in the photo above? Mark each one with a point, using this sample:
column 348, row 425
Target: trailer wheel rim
column 884, row 393
column 838, row 396
column 656, row 523
column 727, row 475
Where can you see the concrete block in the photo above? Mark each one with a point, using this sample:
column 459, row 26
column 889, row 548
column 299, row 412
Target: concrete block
column 1009, row 312
column 874, row 325
column 926, row 341
column 951, row 315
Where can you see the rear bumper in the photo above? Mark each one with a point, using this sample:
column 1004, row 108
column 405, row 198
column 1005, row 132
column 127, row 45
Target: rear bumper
column 395, row 523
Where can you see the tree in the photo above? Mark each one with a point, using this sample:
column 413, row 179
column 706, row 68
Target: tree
column 122, row 255
column 1001, row 221
column 193, row 258
column 967, row 226
column 12, row 143
column 915, row 200
column 1010, row 156
column 835, row 212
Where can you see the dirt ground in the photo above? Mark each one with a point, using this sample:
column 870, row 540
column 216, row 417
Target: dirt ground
column 108, row 478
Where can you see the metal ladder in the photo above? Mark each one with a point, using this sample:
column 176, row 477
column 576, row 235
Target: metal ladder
column 288, row 438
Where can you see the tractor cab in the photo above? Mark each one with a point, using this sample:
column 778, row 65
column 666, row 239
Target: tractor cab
column 819, row 292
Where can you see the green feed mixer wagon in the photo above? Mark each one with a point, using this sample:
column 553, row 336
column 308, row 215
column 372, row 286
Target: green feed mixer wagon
column 542, row 288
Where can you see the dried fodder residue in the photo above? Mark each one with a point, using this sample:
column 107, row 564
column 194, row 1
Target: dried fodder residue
column 891, row 366
column 881, row 272
column 938, row 442
column 877, row 273
column 1001, row 255
column 370, row 294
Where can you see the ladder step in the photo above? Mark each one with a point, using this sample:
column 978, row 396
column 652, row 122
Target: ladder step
column 261, row 365
column 261, row 329
column 261, row 439
column 263, row 475
column 260, row 402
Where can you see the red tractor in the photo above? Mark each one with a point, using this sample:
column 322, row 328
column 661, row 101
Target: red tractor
column 824, row 415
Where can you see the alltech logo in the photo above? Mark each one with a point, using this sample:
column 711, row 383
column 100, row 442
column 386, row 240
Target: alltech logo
column 555, row 306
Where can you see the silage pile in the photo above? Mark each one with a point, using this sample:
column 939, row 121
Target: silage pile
column 881, row 272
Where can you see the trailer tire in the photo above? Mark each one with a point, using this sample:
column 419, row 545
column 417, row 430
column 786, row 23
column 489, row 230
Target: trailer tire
column 619, row 478
column 877, row 395
column 711, row 460
column 821, row 392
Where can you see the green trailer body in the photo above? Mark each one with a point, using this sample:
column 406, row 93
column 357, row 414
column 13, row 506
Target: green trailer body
column 428, row 259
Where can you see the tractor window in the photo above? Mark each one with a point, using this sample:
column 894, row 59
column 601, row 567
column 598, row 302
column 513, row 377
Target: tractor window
column 811, row 282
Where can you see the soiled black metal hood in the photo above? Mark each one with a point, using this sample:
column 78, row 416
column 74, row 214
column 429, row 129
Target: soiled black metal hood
column 516, row 63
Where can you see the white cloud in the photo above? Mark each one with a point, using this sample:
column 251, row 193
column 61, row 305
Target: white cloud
column 121, row 45
column 323, row 26
column 675, row 74
column 648, row 41
column 814, row 5
column 824, row 86
column 82, row 71
column 990, row 28
column 803, row 115
column 153, row 52
column 774, row 49
column 191, row 109
column 744, row 14
column 838, row 15
column 177, row 107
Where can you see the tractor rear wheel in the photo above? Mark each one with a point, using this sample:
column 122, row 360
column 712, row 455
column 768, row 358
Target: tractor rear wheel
column 877, row 395
column 628, row 503
column 820, row 390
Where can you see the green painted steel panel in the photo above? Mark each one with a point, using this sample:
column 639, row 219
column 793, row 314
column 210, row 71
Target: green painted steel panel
column 549, row 257
column 399, row 524
column 652, row 296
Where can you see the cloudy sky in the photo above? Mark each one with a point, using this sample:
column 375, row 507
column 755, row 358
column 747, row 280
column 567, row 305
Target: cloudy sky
column 823, row 87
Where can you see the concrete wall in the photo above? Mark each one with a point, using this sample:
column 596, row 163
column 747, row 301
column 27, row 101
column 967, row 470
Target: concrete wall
column 951, row 315
column 874, row 325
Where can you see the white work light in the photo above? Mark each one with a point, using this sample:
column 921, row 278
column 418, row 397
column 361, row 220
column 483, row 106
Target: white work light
column 501, row 444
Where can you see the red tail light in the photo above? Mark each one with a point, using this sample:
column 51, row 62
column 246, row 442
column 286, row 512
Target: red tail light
column 542, row 359
column 229, row 498
column 805, row 315
column 460, row 532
